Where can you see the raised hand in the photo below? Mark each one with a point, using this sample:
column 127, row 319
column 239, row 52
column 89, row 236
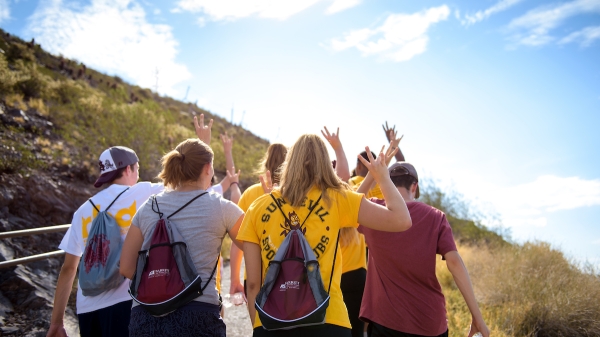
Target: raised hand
column 390, row 133
column 234, row 177
column 332, row 138
column 377, row 167
column 227, row 143
column 267, row 182
column 203, row 131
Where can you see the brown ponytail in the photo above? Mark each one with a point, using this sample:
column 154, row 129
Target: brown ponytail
column 185, row 163
column 272, row 161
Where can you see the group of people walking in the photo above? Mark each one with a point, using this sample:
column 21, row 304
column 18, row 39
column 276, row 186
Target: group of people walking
column 396, row 292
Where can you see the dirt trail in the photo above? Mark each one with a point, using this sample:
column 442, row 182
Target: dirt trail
column 236, row 317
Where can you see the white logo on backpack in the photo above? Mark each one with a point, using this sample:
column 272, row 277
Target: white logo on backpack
column 289, row 285
column 158, row 273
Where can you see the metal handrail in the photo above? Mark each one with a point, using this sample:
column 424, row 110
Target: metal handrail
column 33, row 231
column 33, row 258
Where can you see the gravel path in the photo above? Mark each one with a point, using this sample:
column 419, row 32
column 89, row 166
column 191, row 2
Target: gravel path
column 236, row 317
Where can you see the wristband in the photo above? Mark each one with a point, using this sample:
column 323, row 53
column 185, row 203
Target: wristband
column 235, row 182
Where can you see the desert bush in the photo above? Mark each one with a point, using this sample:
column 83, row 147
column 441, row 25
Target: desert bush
column 38, row 105
column 526, row 290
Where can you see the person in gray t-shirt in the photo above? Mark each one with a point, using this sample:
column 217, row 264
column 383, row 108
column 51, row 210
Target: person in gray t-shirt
column 186, row 173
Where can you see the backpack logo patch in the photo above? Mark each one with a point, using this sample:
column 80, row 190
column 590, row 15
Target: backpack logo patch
column 96, row 252
column 159, row 273
column 289, row 285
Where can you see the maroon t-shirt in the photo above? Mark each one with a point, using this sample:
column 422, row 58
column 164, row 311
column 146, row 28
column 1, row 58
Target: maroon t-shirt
column 402, row 292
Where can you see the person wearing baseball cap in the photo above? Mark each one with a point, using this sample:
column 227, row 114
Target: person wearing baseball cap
column 108, row 313
column 402, row 295
column 113, row 161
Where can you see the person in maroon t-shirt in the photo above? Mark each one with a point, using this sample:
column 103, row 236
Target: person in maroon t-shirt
column 402, row 294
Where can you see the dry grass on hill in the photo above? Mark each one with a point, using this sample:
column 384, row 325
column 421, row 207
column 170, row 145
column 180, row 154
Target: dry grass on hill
column 525, row 290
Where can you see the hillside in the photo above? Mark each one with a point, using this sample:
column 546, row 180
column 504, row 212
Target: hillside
column 91, row 111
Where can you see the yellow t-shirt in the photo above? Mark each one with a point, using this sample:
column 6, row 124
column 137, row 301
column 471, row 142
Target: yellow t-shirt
column 250, row 194
column 375, row 192
column 263, row 225
column 354, row 255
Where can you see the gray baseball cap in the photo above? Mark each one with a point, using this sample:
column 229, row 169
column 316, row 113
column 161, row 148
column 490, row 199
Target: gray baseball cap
column 402, row 168
column 113, row 159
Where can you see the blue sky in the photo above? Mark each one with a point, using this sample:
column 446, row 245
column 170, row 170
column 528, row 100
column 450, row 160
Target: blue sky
column 498, row 100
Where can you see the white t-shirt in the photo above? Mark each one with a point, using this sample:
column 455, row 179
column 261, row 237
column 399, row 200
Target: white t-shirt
column 216, row 188
column 123, row 211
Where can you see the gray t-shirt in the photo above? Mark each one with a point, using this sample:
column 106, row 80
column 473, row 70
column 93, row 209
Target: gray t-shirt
column 203, row 224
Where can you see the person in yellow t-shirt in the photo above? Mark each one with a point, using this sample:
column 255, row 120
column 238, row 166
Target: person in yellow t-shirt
column 307, row 174
column 271, row 161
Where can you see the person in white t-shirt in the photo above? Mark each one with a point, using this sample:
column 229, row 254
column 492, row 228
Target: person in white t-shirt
column 106, row 314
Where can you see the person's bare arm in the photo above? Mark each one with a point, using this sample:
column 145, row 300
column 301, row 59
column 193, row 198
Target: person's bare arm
column 233, row 232
column 234, row 183
column 460, row 274
column 129, row 253
column 235, row 264
column 369, row 182
column 394, row 217
column 253, row 273
column 341, row 168
column 392, row 136
column 64, row 284
column 228, row 151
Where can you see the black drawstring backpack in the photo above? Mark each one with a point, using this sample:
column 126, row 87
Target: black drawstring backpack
column 165, row 276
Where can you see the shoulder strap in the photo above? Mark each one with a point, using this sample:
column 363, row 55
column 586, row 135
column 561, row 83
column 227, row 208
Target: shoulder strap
column 211, row 275
column 334, row 256
column 91, row 202
column 184, row 206
column 286, row 218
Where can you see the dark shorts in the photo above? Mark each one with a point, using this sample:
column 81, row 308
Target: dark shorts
column 106, row 322
column 377, row 330
column 193, row 319
column 325, row 330
column 353, row 285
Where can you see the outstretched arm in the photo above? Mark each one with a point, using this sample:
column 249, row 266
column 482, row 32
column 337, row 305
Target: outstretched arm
column 228, row 151
column 463, row 282
column 234, row 183
column 392, row 136
column 203, row 131
column 341, row 168
column 392, row 218
column 64, row 285
column 235, row 264
column 369, row 181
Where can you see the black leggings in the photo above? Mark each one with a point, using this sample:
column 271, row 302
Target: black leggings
column 353, row 285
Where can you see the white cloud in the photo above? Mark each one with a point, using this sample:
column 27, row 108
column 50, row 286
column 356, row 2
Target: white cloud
column 400, row 38
column 236, row 9
column 500, row 6
column 530, row 203
column 585, row 36
column 4, row 11
column 112, row 36
column 340, row 5
column 533, row 28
